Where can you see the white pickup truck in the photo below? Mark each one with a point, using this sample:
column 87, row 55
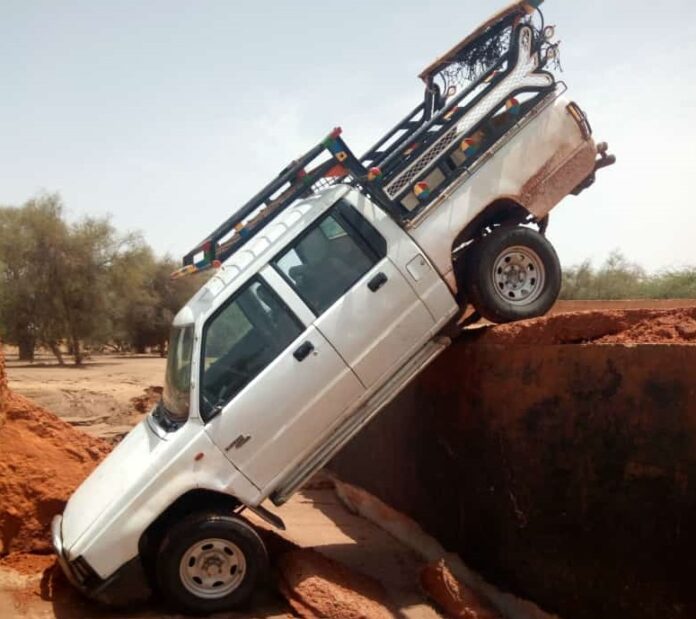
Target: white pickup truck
column 335, row 286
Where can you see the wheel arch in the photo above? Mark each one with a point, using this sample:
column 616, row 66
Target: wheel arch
column 503, row 211
column 198, row 499
column 499, row 212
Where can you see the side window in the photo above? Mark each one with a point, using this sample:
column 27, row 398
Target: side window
column 327, row 260
column 240, row 340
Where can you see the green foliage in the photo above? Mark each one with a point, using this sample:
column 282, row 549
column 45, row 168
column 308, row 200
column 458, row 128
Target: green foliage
column 619, row 278
column 81, row 284
column 30, row 240
column 145, row 299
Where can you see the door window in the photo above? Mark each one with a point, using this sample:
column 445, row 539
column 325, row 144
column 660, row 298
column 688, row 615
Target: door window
column 242, row 339
column 326, row 261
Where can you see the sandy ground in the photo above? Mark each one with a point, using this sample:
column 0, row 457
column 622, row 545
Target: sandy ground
column 97, row 396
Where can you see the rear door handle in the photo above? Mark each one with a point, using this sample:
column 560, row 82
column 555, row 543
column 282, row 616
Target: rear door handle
column 302, row 352
column 377, row 282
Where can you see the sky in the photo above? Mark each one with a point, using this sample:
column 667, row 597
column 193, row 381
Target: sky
column 168, row 115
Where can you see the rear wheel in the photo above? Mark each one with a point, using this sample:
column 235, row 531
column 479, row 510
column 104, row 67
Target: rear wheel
column 209, row 562
column 512, row 274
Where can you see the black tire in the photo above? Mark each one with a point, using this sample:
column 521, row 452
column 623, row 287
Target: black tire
column 526, row 261
column 238, row 556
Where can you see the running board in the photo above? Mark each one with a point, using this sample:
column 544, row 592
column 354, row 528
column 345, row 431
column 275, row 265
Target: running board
column 359, row 419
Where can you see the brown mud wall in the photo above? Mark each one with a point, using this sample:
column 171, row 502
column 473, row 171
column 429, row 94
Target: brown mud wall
column 564, row 472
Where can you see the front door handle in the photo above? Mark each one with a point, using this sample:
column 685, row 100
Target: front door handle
column 303, row 351
column 377, row 282
column 240, row 441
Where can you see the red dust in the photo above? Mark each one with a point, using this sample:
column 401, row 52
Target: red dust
column 631, row 326
column 42, row 461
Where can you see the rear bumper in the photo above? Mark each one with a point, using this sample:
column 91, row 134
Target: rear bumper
column 128, row 585
column 604, row 160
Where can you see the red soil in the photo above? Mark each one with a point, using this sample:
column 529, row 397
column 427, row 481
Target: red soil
column 42, row 460
column 457, row 600
column 316, row 586
column 29, row 564
column 633, row 326
column 144, row 403
column 677, row 326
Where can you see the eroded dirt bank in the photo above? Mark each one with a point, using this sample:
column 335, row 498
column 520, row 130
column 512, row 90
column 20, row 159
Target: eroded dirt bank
column 42, row 459
column 557, row 456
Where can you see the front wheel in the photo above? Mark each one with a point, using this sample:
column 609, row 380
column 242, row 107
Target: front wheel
column 209, row 563
column 512, row 274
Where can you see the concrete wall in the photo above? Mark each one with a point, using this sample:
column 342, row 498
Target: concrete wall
column 564, row 473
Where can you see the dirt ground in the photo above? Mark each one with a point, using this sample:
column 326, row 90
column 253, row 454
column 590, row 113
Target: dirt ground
column 104, row 397
column 328, row 554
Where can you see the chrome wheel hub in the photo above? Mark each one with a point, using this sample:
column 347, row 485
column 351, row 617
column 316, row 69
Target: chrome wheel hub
column 518, row 275
column 212, row 568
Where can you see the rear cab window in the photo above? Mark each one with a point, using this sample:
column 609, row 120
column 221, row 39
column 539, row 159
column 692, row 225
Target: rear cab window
column 330, row 257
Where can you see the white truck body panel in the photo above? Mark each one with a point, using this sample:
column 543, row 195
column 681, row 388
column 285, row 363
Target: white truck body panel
column 283, row 430
column 375, row 331
column 106, row 516
column 548, row 142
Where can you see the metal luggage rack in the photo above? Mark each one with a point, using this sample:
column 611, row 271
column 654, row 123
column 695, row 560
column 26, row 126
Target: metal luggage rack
column 441, row 139
column 397, row 172
column 331, row 160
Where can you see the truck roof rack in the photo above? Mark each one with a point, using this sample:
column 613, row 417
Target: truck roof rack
column 293, row 183
column 384, row 172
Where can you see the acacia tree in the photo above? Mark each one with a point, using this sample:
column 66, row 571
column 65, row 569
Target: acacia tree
column 81, row 284
column 147, row 299
column 28, row 237
column 55, row 277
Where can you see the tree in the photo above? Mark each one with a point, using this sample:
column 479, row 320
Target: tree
column 55, row 277
column 28, row 237
column 147, row 299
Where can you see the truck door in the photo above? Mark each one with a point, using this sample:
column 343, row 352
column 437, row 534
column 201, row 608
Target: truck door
column 341, row 268
column 271, row 386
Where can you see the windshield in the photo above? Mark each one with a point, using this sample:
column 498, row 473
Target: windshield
column 178, row 379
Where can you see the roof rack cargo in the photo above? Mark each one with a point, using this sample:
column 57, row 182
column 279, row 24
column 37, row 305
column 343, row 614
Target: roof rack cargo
column 294, row 182
column 484, row 54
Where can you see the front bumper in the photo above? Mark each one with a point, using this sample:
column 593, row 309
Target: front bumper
column 127, row 585
column 57, row 540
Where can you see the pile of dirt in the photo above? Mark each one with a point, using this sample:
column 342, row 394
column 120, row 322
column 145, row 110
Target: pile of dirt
column 316, row 586
column 145, row 402
column 632, row 326
column 42, row 460
column 678, row 326
column 459, row 601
